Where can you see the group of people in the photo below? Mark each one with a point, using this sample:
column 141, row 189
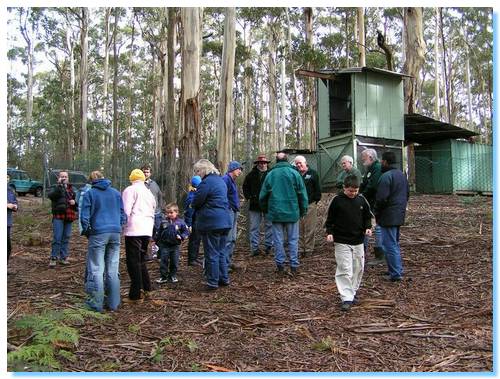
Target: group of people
column 282, row 199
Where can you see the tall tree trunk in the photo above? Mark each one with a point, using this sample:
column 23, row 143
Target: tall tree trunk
column 271, row 62
column 415, row 55
column 282, row 128
column 71, row 114
column 115, row 153
column 310, row 101
column 130, row 97
column 104, row 115
column 295, row 106
column 361, row 36
column 225, row 119
column 84, row 59
column 436, row 67
column 247, row 98
column 28, row 38
column 190, row 112
column 168, row 159
column 347, row 41
column 445, row 69
column 415, row 50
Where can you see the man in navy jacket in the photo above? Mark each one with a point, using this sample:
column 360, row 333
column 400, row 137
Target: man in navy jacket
column 390, row 209
column 102, row 217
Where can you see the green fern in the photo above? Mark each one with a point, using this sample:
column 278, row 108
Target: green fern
column 51, row 336
column 40, row 354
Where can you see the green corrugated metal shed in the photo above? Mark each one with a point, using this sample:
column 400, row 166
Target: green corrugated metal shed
column 453, row 166
column 358, row 108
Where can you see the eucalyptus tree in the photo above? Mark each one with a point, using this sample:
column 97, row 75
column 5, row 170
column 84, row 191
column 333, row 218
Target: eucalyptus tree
column 225, row 113
column 190, row 112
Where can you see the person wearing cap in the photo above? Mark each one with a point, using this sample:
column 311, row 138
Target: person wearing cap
column 139, row 205
column 190, row 218
column 308, row 222
column 213, row 222
column 283, row 198
column 234, row 170
column 251, row 189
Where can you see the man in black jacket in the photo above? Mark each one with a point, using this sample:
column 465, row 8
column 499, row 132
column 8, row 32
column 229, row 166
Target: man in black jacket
column 308, row 222
column 251, row 189
column 390, row 208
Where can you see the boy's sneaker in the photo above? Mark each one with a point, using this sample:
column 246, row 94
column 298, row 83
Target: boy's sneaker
column 346, row 305
column 174, row 279
column 52, row 263
column 64, row 261
column 162, row 280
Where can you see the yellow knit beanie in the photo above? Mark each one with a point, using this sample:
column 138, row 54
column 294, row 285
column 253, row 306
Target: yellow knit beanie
column 136, row 174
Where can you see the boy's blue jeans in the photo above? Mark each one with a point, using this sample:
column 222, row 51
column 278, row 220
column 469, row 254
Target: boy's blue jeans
column 61, row 233
column 169, row 260
column 103, row 278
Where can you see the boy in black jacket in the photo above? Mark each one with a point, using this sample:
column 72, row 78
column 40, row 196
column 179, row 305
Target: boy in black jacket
column 348, row 221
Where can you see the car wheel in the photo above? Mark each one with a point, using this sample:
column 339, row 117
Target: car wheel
column 38, row 192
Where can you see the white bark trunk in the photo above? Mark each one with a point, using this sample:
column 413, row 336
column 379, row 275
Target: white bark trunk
column 361, row 36
column 84, row 78
column 225, row 113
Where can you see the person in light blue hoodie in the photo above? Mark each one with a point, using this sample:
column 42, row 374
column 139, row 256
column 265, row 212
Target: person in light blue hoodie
column 102, row 216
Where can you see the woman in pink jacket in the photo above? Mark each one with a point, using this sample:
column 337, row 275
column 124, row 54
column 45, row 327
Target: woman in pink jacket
column 139, row 205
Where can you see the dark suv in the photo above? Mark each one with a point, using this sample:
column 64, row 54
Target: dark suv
column 77, row 178
column 23, row 184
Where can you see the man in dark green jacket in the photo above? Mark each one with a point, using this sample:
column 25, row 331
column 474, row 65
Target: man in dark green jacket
column 283, row 198
column 368, row 188
column 308, row 222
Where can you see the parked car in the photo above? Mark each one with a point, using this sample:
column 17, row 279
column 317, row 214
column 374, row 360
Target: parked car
column 23, row 184
column 77, row 178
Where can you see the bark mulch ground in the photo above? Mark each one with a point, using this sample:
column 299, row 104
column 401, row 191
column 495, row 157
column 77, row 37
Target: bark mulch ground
column 440, row 318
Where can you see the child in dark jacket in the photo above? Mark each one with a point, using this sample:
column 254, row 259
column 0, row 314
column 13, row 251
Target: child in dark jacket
column 169, row 233
column 348, row 221
column 189, row 217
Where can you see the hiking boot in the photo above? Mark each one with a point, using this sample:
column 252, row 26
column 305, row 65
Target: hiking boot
column 64, row 261
column 379, row 257
column 294, row 271
column 346, row 305
column 162, row 280
column 393, row 279
column 280, row 270
column 173, row 279
column 52, row 263
column 132, row 301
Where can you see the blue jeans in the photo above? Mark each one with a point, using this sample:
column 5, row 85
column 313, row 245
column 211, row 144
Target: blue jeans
column 103, row 264
column 390, row 244
column 377, row 236
column 216, row 268
column 292, row 231
column 256, row 218
column 231, row 236
column 169, row 260
column 194, row 245
column 61, row 230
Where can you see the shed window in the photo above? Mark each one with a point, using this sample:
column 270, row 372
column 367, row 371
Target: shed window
column 340, row 105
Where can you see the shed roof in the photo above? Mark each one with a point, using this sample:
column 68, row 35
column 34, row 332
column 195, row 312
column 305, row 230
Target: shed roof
column 330, row 73
column 422, row 129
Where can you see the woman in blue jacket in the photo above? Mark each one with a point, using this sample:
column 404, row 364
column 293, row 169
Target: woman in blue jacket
column 213, row 222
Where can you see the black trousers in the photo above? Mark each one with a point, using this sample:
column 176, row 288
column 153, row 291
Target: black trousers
column 9, row 245
column 136, row 249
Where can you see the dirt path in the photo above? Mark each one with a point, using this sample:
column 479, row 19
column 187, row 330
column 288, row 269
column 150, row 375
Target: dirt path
column 438, row 319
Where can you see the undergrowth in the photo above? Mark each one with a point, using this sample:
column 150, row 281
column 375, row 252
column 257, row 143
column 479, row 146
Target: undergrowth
column 54, row 336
